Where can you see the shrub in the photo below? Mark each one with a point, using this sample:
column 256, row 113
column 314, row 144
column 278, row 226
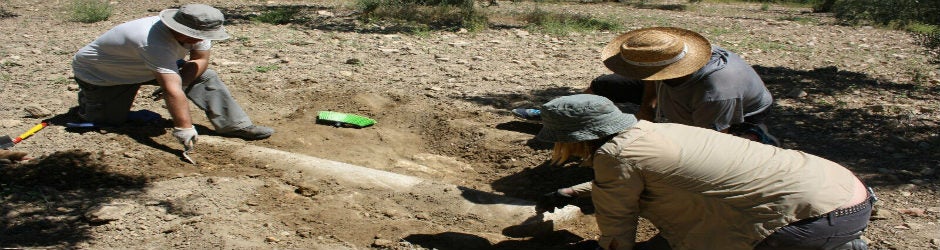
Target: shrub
column 895, row 13
column 266, row 68
column 562, row 24
column 917, row 16
column 89, row 11
column 277, row 15
column 427, row 13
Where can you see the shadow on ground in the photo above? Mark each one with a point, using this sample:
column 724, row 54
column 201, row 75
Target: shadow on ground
column 330, row 19
column 884, row 139
column 44, row 200
column 886, row 143
column 556, row 240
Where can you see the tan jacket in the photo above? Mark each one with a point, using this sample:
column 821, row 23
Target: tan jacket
column 708, row 190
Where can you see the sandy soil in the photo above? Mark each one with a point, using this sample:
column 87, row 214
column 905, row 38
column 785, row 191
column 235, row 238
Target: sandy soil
column 861, row 96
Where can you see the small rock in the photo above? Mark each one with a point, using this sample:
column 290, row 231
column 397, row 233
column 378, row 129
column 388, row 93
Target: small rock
column 914, row 226
column 459, row 44
column 882, row 214
column 72, row 87
column 271, row 239
column 9, row 123
column 133, row 154
column 797, row 93
column 422, row 216
column 383, row 243
column 912, row 211
column 325, row 13
column 354, row 61
column 108, row 212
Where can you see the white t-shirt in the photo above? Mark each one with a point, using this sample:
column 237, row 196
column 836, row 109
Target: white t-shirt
column 130, row 52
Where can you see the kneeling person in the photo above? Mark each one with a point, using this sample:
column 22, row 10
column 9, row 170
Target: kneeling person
column 702, row 188
column 150, row 50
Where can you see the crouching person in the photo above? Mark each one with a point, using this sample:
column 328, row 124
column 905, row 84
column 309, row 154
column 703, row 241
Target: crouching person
column 704, row 189
column 153, row 51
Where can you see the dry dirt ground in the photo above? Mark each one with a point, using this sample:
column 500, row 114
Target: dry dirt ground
column 861, row 96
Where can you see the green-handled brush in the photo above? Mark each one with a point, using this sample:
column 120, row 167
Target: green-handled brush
column 343, row 120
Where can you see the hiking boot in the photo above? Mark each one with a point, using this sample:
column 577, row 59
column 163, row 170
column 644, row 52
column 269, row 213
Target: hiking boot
column 528, row 114
column 856, row 244
column 252, row 132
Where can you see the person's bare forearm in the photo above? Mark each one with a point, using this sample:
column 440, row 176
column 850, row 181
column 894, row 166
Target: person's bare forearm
column 196, row 65
column 176, row 102
column 193, row 69
column 178, row 107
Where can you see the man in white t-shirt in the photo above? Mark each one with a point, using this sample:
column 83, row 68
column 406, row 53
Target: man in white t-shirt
column 153, row 50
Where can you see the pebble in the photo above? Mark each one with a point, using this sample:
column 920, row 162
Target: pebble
column 912, row 211
column 9, row 123
column 797, row 93
column 383, row 243
column 108, row 212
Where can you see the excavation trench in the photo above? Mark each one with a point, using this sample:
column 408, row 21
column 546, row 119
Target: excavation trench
column 515, row 217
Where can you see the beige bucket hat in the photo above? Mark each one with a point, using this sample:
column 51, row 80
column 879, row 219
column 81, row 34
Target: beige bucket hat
column 656, row 53
column 196, row 21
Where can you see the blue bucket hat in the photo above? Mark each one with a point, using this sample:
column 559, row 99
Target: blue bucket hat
column 582, row 117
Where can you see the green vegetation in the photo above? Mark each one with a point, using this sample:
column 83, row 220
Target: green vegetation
column 278, row 15
column 424, row 14
column 918, row 17
column 61, row 80
column 266, row 68
column 563, row 24
column 89, row 11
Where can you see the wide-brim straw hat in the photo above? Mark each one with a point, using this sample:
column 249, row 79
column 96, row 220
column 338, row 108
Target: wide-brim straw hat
column 656, row 53
column 582, row 117
column 197, row 21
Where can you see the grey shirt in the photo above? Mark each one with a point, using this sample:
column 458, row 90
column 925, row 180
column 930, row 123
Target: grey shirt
column 719, row 94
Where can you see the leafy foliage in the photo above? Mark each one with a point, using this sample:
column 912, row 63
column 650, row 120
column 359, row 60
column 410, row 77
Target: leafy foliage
column 432, row 13
column 89, row 11
column 562, row 24
column 279, row 15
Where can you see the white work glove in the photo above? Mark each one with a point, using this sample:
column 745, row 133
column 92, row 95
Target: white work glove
column 186, row 136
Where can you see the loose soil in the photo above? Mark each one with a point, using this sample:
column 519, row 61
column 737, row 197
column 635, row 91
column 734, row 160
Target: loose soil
column 861, row 96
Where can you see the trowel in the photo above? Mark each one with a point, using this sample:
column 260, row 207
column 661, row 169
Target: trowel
column 6, row 142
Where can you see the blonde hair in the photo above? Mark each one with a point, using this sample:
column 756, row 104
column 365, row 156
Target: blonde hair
column 563, row 151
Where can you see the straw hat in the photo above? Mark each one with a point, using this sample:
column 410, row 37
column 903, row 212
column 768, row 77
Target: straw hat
column 196, row 21
column 657, row 53
column 582, row 117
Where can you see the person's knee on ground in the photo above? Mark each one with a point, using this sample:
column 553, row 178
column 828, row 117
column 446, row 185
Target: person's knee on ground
column 105, row 105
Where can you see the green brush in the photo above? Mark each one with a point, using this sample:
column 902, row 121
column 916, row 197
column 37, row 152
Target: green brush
column 343, row 120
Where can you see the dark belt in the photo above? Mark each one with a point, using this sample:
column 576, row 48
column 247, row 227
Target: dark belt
column 854, row 209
